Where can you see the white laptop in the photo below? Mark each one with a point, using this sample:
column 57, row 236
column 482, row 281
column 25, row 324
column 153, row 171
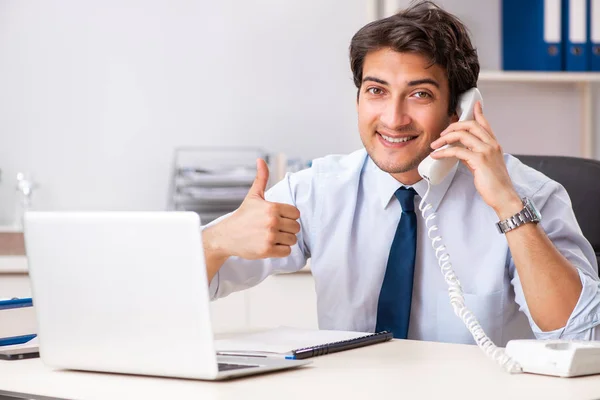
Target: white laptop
column 127, row 292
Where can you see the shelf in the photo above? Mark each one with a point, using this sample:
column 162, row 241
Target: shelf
column 13, row 265
column 584, row 82
column 538, row 76
column 10, row 228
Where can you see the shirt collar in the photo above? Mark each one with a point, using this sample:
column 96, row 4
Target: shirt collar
column 387, row 186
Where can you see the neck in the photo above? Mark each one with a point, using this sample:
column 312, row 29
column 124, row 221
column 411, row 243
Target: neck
column 408, row 178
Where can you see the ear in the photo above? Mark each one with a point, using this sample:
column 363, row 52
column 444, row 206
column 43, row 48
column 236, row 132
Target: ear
column 454, row 115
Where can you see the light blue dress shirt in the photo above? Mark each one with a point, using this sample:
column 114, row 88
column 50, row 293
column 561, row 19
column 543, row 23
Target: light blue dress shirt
column 348, row 218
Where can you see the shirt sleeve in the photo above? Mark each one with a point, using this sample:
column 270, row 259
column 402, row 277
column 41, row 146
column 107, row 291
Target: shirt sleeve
column 560, row 224
column 238, row 273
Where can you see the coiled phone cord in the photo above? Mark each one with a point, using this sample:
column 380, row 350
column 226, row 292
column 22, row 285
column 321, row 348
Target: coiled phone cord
column 457, row 300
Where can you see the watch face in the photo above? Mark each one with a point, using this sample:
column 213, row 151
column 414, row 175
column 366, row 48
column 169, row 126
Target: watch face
column 534, row 211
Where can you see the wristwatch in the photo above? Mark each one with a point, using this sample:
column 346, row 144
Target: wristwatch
column 529, row 213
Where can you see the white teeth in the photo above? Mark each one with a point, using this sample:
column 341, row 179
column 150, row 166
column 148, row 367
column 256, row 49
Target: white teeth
column 399, row 140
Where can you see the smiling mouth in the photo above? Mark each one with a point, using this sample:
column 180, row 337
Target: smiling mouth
column 397, row 140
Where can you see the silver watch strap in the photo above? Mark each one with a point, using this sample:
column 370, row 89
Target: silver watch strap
column 522, row 217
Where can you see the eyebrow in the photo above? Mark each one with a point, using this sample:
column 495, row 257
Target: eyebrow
column 410, row 83
column 376, row 80
column 424, row 81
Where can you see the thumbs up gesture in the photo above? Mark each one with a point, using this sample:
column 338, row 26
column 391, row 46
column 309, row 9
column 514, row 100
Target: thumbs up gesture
column 259, row 228
column 260, row 182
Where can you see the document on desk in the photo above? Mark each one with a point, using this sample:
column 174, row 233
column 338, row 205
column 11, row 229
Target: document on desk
column 295, row 343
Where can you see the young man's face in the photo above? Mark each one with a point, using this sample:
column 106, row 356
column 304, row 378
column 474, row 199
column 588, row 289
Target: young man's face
column 402, row 108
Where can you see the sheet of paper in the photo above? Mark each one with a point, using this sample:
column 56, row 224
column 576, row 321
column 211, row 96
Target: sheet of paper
column 282, row 339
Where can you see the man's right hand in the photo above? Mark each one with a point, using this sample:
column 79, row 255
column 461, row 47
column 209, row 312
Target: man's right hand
column 257, row 229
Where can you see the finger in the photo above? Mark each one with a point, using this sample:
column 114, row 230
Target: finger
column 465, row 138
column 287, row 211
column 288, row 225
column 260, row 182
column 481, row 120
column 469, row 126
column 459, row 152
column 281, row 250
column 283, row 238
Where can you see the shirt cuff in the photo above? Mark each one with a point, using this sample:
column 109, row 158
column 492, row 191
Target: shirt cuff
column 584, row 318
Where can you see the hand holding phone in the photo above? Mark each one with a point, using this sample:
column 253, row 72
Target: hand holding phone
column 435, row 171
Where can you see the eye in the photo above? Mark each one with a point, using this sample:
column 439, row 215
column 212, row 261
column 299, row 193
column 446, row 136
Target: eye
column 422, row 95
column 375, row 91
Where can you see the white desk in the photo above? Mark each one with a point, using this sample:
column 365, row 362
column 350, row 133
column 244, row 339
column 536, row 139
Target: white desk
column 392, row 370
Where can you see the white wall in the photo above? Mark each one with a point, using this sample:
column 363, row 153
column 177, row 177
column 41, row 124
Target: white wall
column 95, row 95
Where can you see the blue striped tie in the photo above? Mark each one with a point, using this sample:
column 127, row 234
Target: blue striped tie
column 393, row 308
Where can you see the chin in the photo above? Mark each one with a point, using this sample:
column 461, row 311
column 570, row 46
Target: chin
column 393, row 165
column 398, row 168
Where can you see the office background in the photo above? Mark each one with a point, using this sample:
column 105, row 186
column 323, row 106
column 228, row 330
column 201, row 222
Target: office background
column 94, row 96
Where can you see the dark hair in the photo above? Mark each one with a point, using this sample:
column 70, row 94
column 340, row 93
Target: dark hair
column 426, row 29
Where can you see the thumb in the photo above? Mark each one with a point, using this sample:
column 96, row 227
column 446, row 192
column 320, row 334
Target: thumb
column 260, row 182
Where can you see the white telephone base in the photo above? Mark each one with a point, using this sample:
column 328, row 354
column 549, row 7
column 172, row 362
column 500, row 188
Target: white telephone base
column 565, row 358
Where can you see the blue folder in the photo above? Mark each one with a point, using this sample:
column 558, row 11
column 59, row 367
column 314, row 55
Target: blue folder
column 11, row 304
column 576, row 23
column 16, row 303
column 532, row 35
column 594, row 34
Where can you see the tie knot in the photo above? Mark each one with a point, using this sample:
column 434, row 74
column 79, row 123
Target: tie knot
column 406, row 197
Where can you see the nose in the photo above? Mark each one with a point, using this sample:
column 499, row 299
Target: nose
column 394, row 115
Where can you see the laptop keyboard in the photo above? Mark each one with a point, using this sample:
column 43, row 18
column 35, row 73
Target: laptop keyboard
column 230, row 367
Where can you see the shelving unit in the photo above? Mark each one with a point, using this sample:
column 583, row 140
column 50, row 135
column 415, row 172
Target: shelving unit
column 212, row 181
column 584, row 82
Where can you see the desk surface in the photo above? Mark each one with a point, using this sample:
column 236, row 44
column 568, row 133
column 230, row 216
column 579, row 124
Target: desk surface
column 396, row 369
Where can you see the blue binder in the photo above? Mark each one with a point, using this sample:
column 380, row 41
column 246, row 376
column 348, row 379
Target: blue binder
column 12, row 304
column 594, row 34
column 532, row 35
column 575, row 35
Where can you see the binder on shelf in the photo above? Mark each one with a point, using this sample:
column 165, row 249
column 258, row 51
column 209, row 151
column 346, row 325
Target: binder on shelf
column 594, row 34
column 532, row 35
column 575, row 35
column 17, row 321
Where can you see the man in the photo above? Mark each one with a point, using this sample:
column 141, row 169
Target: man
column 354, row 216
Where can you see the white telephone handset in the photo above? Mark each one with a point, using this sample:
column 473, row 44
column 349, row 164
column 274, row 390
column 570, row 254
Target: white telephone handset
column 435, row 171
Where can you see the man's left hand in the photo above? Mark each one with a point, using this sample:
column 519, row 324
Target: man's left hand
column 483, row 155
